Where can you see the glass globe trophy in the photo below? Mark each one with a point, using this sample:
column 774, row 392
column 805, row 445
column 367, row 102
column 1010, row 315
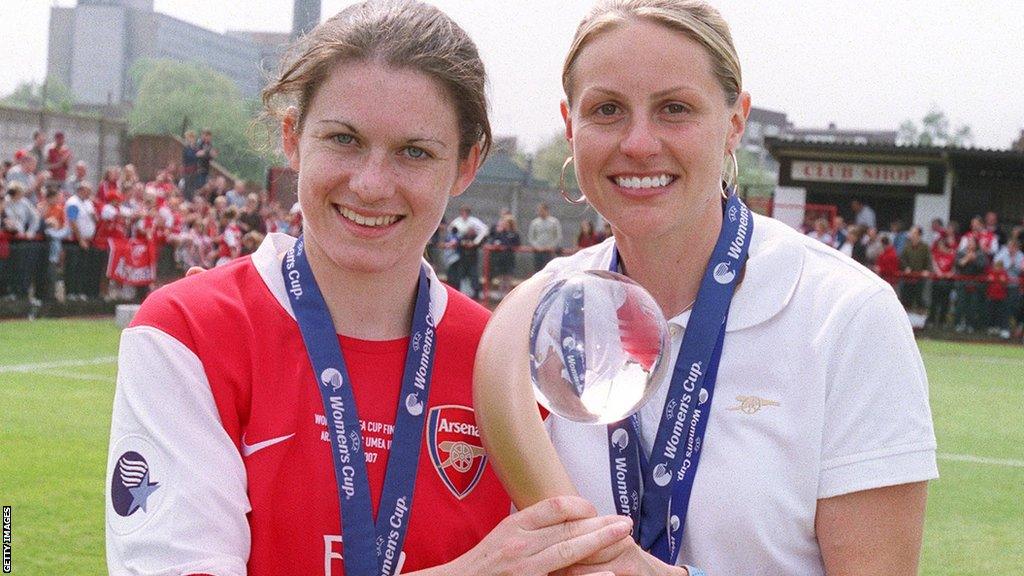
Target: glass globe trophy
column 597, row 347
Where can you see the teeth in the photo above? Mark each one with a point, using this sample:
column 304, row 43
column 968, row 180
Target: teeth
column 370, row 221
column 645, row 182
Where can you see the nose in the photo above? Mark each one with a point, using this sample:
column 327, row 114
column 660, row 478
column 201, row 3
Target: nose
column 640, row 141
column 372, row 180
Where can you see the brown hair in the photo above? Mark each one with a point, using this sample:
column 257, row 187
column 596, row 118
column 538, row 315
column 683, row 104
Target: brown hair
column 695, row 19
column 403, row 34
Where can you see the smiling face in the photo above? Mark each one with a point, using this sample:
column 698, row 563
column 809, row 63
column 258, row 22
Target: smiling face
column 377, row 157
column 650, row 128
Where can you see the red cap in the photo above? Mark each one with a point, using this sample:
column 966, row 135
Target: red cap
column 19, row 155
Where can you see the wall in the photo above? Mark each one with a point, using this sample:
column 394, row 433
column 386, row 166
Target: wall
column 83, row 135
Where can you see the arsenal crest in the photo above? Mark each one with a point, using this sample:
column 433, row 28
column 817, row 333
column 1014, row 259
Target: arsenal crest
column 455, row 448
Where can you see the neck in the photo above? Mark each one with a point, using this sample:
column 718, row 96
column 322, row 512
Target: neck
column 671, row 266
column 366, row 305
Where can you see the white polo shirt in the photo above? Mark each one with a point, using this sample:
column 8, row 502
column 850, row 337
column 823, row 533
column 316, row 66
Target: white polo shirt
column 821, row 391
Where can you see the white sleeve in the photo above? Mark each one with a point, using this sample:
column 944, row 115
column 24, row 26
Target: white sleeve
column 878, row 425
column 176, row 498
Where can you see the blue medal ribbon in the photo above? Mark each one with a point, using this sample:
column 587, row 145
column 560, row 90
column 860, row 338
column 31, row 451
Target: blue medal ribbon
column 668, row 474
column 371, row 548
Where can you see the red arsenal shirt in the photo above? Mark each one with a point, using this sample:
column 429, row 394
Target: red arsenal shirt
column 220, row 460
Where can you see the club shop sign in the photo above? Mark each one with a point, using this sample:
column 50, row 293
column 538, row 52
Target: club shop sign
column 883, row 174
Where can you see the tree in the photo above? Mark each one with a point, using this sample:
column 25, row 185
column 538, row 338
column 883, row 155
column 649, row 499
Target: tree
column 934, row 130
column 753, row 176
column 547, row 163
column 30, row 95
column 173, row 96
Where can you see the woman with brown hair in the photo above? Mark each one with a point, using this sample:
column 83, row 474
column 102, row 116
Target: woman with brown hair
column 308, row 409
column 793, row 435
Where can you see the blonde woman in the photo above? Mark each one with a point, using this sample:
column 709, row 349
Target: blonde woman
column 794, row 436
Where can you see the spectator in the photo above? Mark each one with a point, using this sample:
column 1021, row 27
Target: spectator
column 38, row 147
column 58, row 158
column 586, row 236
column 4, row 167
column 77, row 178
column 6, row 233
column 205, row 154
column 250, row 219
column 129, row 178
column 937, row 233
column 79, row 261
column 504, row 241
column 898, row 235
column 863, row 215
column 470, row 233
column 838, row 231
column 251, row 242
column 189, row 166
column 606, row 231
column 888, row 264
column 229, row 242
column 236, row 196
column 987, row 240
column 943, row 260
column 24, row 171
column 196, row 246
column 915, row 260
column 113, row 223
column 545, row 236
column 820, row 232
column 872, row 246
column 1012, row 260
column 109, row 186
column 55, row 228
column 853, row 246
column 992, row 227
column 996, row 295
column 971, row 263
column 27, row 247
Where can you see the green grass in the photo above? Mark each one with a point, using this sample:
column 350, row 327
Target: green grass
column 54, row 425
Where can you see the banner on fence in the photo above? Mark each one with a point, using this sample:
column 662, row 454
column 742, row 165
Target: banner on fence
column 132, row 262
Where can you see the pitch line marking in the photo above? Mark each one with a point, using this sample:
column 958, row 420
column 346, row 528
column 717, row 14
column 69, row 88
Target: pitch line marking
column 73, row 376
column 998, row 360
column 58, row 364
column 982, row 460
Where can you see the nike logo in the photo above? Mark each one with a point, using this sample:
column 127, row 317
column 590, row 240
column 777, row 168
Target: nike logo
column 250, row 449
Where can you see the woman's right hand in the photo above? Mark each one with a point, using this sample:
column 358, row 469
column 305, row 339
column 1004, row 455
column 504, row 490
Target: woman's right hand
column 548, row 536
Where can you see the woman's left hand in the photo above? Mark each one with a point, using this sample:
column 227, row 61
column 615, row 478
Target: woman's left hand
column 625, row 558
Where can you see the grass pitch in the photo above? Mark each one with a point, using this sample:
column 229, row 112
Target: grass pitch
column 56, row 389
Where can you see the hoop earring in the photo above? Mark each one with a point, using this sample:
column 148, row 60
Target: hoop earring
column 730, row 187
column 561, row 185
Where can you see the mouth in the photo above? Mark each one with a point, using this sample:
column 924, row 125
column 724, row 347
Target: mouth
column 367, row 220
column 648, row 182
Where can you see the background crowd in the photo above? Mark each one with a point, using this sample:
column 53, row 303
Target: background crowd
column 58, row 222
column 970, row 280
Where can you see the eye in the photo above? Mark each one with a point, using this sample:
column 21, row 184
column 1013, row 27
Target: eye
column 607, row 109
column 415, row 152
column 344, row 139
column 676, row 108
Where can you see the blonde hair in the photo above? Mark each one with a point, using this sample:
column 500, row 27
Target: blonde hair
column 695, row 19
column 404, row 34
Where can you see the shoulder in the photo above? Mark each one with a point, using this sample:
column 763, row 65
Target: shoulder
column 788, row 272
column 463, row 317
column 212, row 301
column 596, row 257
